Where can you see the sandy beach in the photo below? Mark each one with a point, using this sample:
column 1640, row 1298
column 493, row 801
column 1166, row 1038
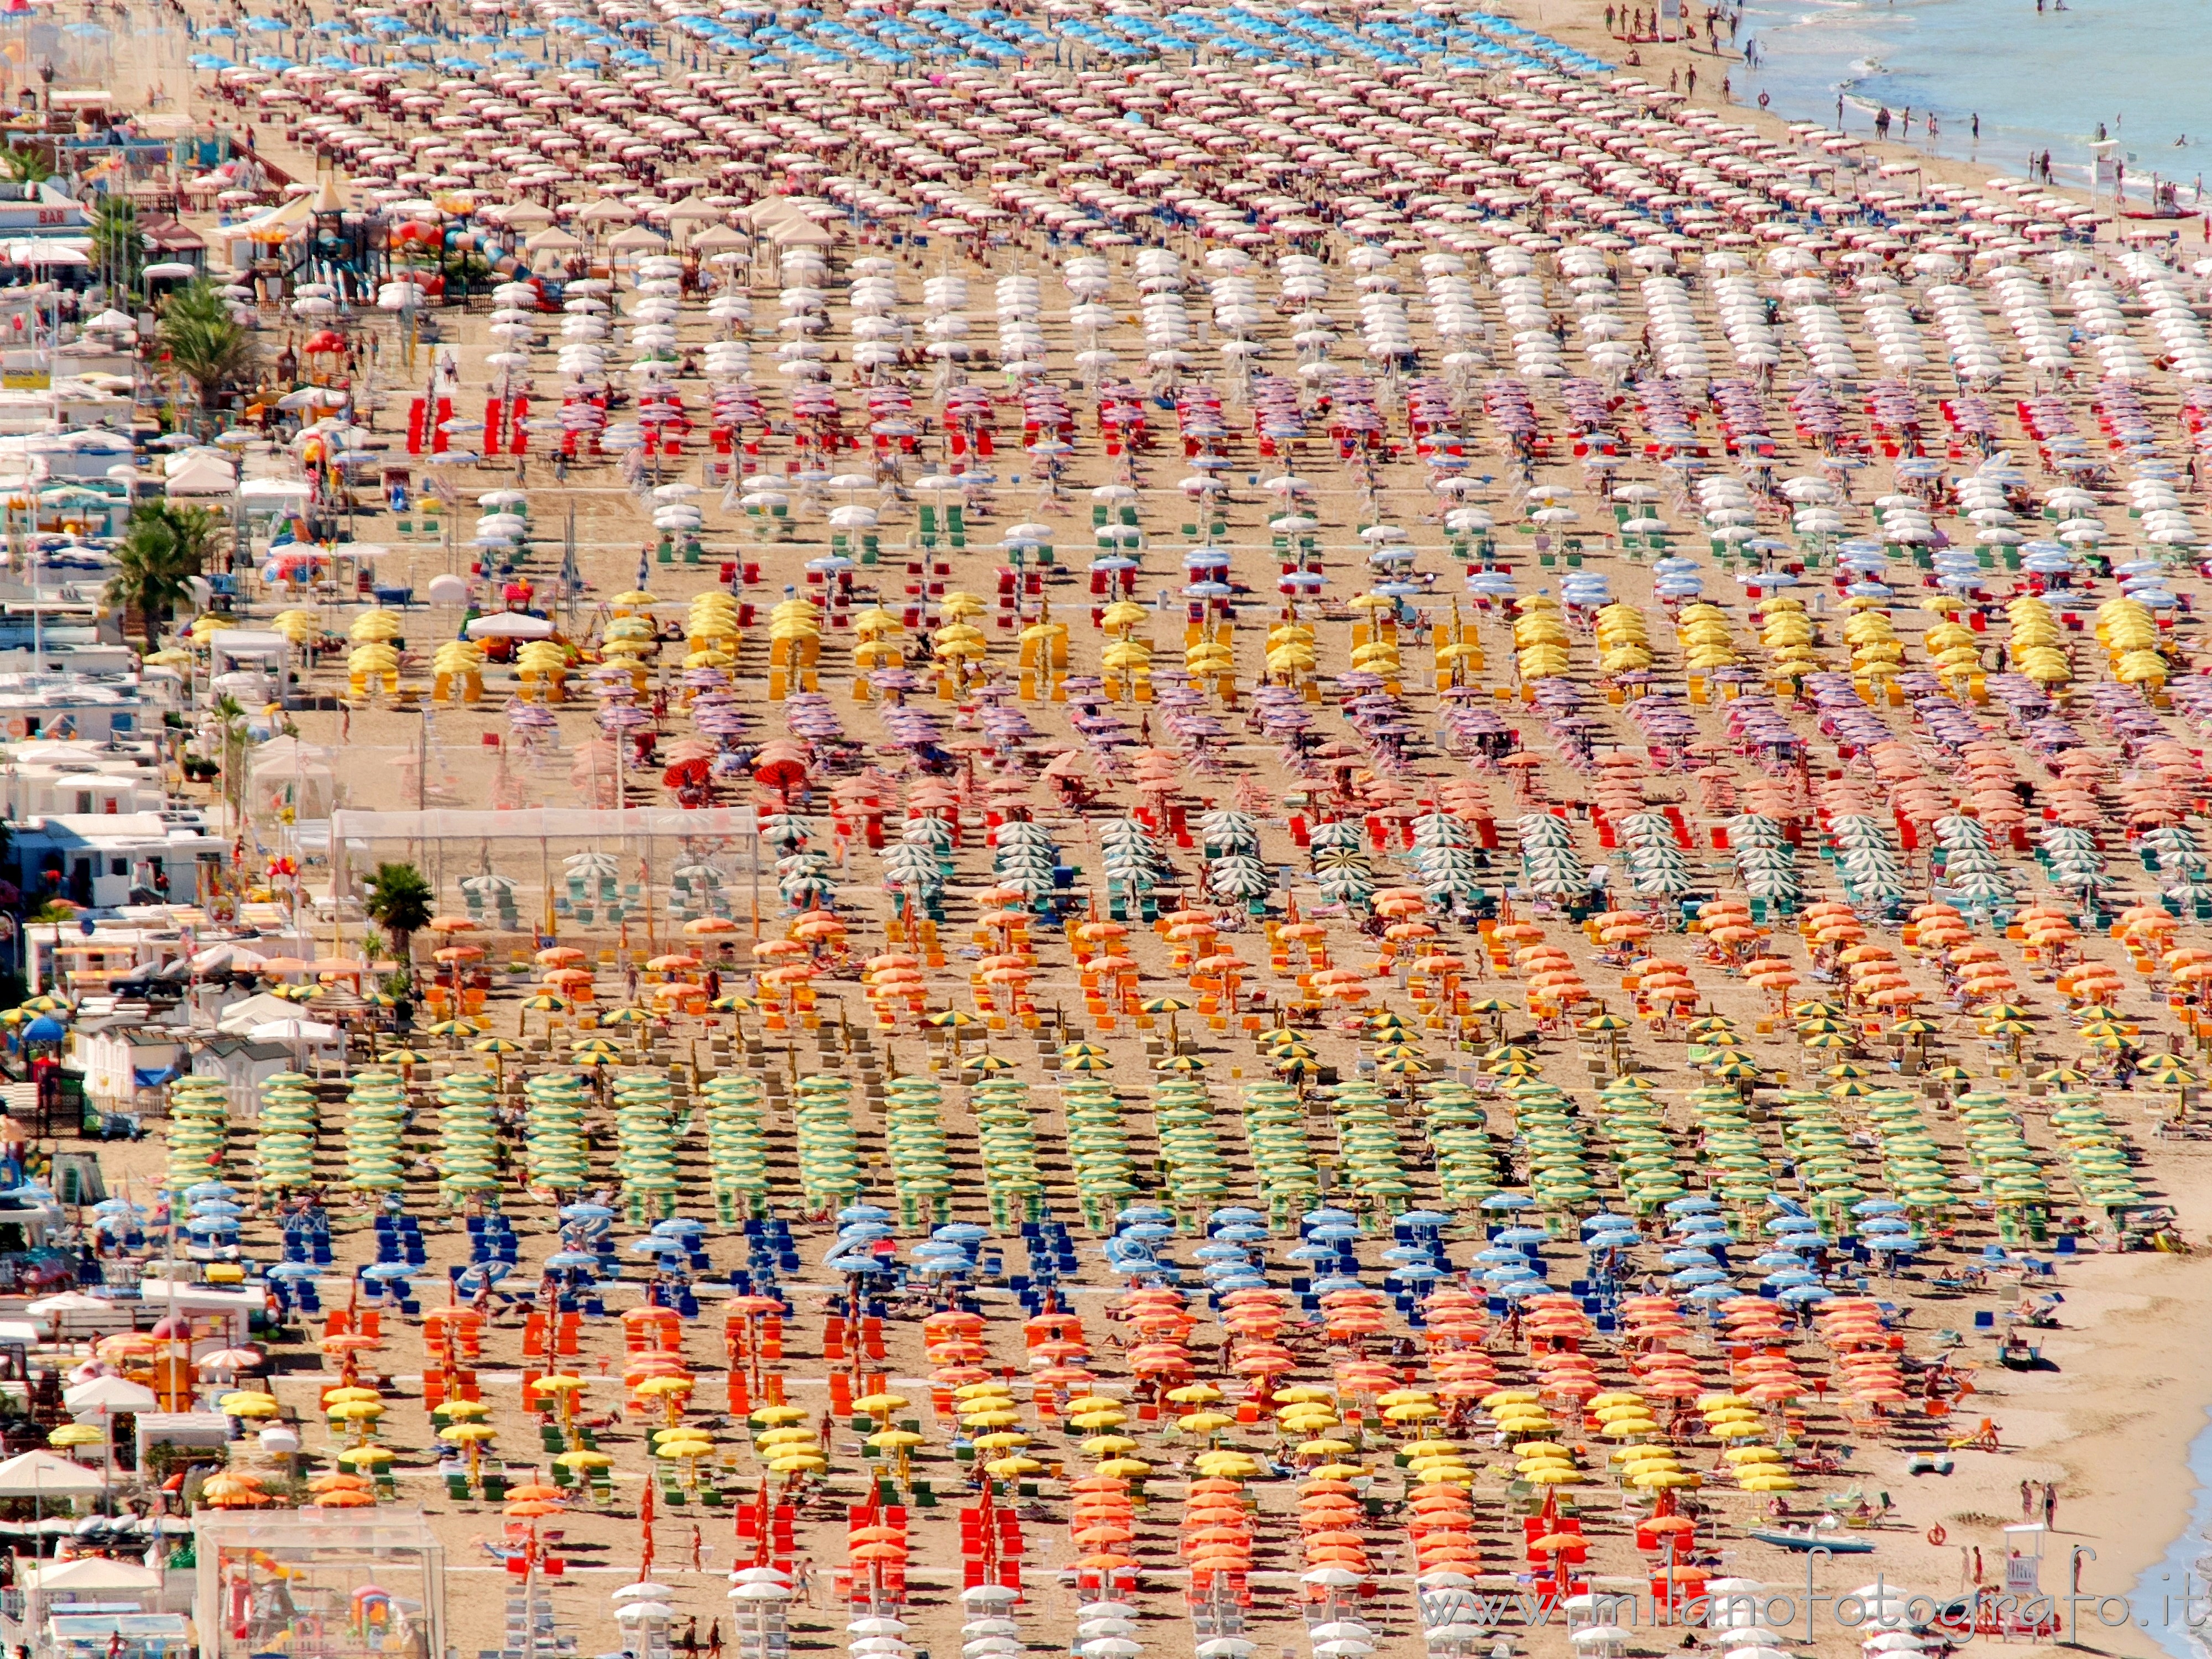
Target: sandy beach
column 2108, row 1414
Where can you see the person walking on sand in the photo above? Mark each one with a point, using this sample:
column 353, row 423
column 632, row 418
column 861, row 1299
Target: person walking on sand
column 2027, row 1502
column 2050, row 1504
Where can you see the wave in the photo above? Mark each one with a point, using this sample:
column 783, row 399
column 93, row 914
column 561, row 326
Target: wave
column 2043, row 83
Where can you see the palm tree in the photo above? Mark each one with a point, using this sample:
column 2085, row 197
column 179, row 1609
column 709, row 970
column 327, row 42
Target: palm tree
column 205, row 344
column 25, row 165
column 399, row 902
column 119, row 250
column 196, row 301
column 230, row 722
column 194, row 528
column 55, row 912
column 160, row 552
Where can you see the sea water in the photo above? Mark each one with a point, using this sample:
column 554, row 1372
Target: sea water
column 2173, row 1599
column 2039, row 80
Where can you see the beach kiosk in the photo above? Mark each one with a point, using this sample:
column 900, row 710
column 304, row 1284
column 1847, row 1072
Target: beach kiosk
column 98, row 1633
column 91, row 1606
column 334, row 1584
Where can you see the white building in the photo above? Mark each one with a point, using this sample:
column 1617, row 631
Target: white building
column 86, row 782
column 93, row 707
column 122, row 1056
column 101, row 859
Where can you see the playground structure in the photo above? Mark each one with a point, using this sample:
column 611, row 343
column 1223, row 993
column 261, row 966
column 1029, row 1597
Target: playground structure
column 319, row 1585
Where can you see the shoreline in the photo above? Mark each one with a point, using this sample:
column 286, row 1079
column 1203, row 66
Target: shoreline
column 1805, row 78
column 2176, row 1574
column 1581, row 24
column 2108, row 1424
column 1875, row 56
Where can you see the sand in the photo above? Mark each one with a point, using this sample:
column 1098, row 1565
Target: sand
column 2109, row 1418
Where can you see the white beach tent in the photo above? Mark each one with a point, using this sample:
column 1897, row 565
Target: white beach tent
column 199, row 474
column 259, row 1009
column 718, row 238
column 109, row 1393
column 92, row 1577
column 519, row 215
column 267, row 229
column 43, row 1474
column 63, row 1311
column 509, row 625
column 278, row 495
